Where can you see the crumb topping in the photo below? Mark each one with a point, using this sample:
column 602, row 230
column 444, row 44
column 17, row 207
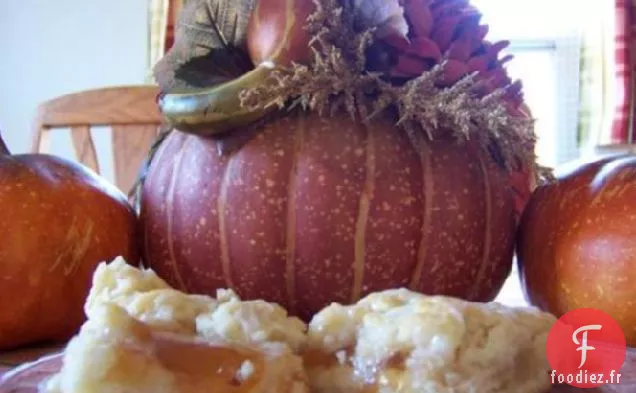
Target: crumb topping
column 399, row 337
column 151, row 300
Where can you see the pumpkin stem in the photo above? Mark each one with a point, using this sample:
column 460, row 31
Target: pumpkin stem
column 4, row 150
column 215, row 110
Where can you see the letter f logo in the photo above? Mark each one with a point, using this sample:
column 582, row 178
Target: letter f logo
column 583, row 343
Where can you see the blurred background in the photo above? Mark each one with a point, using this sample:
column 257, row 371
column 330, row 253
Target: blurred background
column 50, row 48
column 575, row 61
column 572, row 55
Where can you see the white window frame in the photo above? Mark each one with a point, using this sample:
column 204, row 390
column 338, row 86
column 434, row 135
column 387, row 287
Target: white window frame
column 566, row 52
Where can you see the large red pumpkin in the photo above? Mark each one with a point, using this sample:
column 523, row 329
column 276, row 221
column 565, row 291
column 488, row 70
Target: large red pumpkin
column 313, row 210
column 309, row 209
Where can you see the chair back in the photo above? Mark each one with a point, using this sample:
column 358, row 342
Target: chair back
column 131, row 113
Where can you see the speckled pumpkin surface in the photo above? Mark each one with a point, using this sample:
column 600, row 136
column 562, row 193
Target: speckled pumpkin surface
column 364, row 145
column 313, row 210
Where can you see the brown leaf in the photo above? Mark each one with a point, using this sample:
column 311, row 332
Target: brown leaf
column 385, row 15
column 210, row 45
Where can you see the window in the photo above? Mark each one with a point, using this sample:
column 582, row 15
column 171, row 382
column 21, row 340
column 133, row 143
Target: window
column 546, row 46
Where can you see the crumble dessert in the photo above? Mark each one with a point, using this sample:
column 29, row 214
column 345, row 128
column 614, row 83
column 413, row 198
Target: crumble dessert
column 143, row 336
column 398, row 341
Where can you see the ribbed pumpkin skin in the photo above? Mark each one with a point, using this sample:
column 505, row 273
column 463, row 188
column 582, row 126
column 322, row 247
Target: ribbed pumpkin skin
column 316, row 210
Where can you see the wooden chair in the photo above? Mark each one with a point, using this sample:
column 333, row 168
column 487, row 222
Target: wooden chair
column 131, row 113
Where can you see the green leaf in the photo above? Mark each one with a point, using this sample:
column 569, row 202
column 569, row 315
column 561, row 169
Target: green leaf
column 210, row 45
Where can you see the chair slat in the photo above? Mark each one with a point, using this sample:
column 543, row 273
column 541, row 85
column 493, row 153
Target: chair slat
column 131, row 144
column 130, row 111
column 84, row 146
column 41, row 139
column 40, row 142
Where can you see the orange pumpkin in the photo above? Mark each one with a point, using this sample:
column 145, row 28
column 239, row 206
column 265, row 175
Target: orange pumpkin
column 313, row 210
column 576, row 244
column 59, row 220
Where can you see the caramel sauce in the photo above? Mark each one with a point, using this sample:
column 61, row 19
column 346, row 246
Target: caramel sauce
column 196, row 366
column 203, row 367
column 397, row 361
column 316, row 358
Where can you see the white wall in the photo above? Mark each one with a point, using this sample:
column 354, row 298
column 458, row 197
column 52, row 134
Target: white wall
column 53, row 47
